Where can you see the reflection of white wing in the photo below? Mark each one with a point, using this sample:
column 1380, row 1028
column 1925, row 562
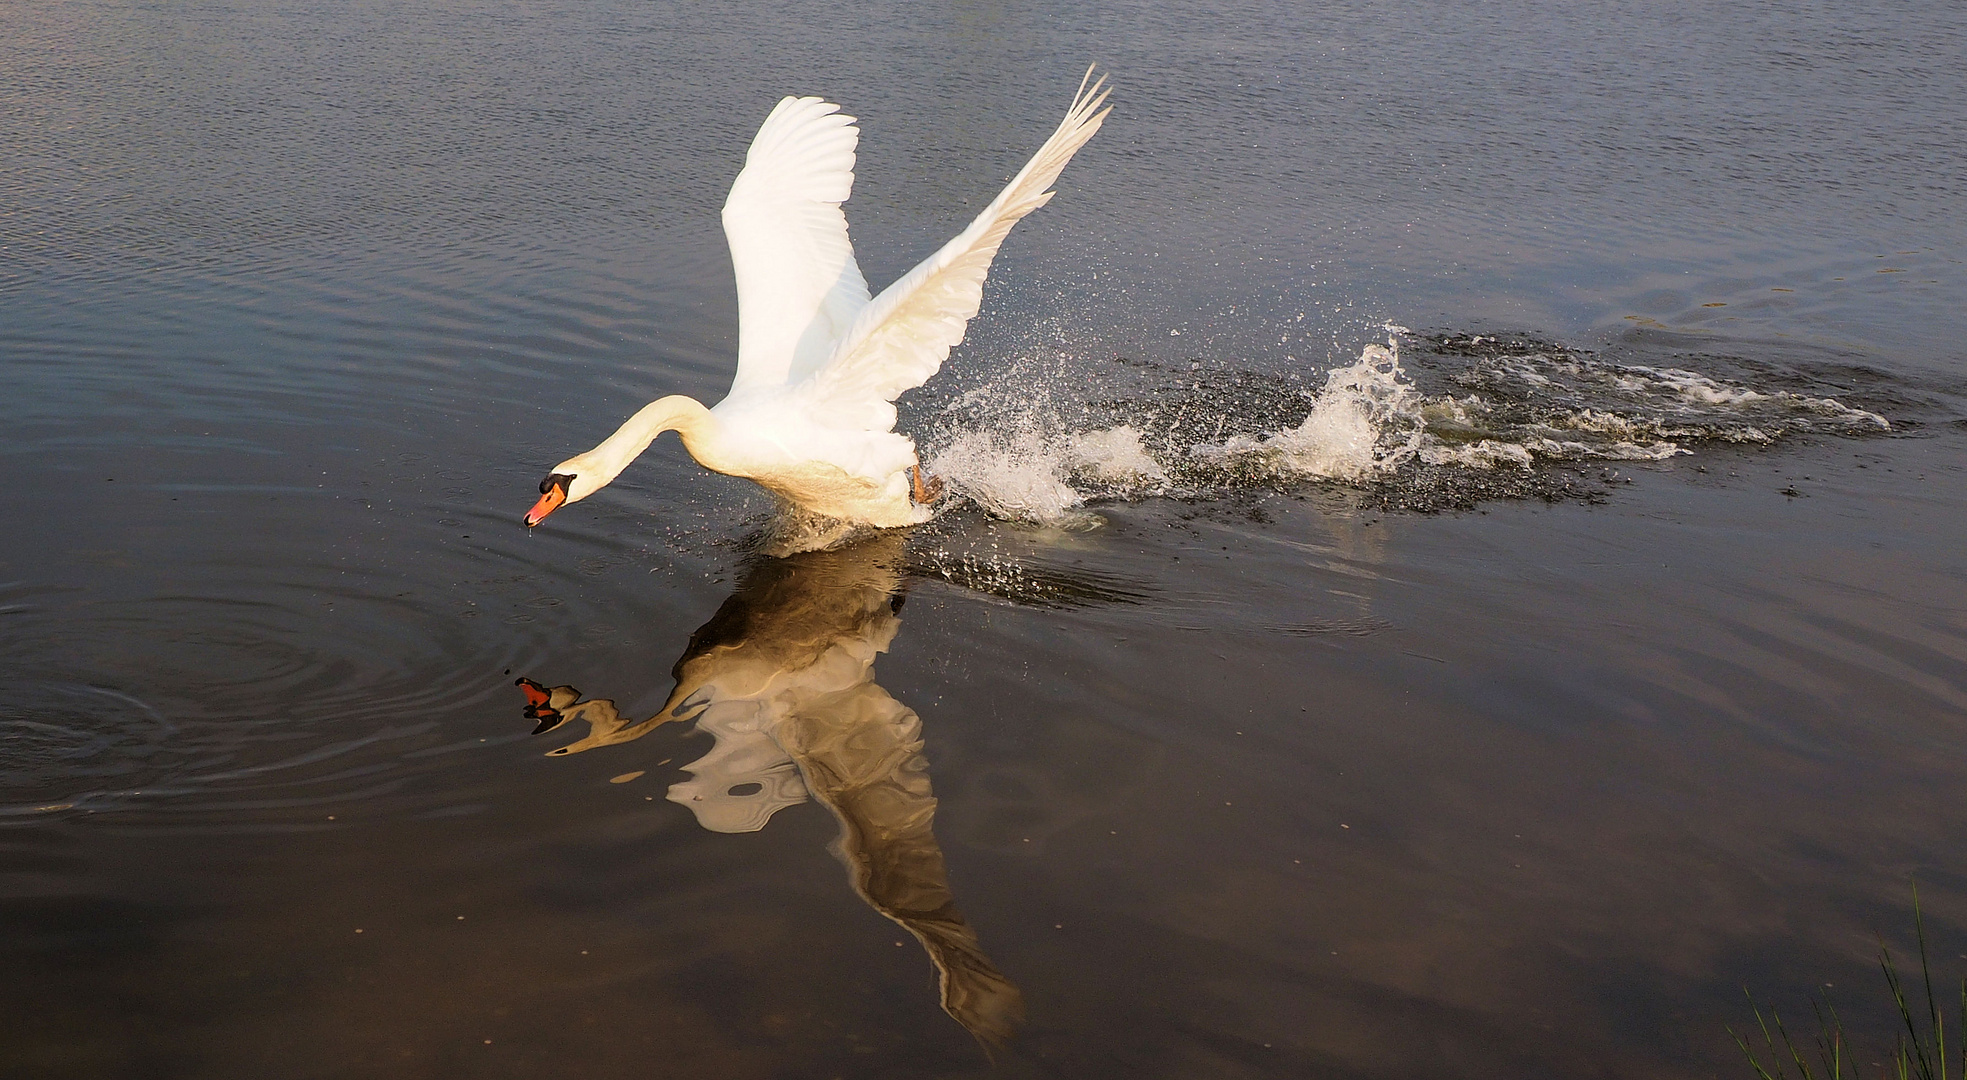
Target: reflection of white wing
column 798, row 286
column 745, row 758
column 860, row 752
column 902, row 337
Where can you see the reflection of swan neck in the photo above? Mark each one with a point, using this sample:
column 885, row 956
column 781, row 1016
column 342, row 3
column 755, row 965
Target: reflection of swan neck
column 606, row 726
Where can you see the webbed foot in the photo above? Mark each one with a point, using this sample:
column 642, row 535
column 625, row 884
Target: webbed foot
column 927, row 489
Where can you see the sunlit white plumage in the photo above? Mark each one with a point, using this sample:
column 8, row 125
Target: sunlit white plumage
column 811, row 413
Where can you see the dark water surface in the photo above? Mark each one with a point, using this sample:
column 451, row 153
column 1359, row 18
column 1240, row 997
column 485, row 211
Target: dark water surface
column 1259, row 772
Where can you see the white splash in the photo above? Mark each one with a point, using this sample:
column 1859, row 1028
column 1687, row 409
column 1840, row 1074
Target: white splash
column 1009, row 451
column 1021, row 475
column 1363, row 424
column 1114, row 456
column 1017, row 474
column 1481, row 454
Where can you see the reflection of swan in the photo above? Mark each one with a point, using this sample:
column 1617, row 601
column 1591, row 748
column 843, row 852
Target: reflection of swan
column 809, row 415
column 783, row 676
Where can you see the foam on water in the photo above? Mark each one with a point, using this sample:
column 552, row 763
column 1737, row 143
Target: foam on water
column 1362, row 425
column 1023, row 475
column 1018, row 474
column 1499, row 405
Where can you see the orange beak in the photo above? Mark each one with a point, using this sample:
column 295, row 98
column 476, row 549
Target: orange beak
column 550, row 501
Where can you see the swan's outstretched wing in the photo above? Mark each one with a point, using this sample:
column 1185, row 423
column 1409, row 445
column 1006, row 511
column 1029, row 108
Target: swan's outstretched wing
column 798, row 286
column 903, row 336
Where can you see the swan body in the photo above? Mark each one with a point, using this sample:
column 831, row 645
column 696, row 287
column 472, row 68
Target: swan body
column 810, row 415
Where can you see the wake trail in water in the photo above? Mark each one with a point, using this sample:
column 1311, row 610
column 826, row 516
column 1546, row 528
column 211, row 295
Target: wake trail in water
column 1498, row 413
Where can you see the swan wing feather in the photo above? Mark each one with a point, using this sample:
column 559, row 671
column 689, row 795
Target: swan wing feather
column 902, row 337
column 799, row 288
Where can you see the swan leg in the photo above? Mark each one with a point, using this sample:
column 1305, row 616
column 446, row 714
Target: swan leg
column 927, row 488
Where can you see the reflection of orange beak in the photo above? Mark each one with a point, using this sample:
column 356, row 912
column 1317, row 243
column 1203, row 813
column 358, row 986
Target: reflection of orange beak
column 539, row 705
column 549, row 502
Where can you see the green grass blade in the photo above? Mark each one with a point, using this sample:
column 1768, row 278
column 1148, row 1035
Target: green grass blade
column 1769, row 1041
column 1830, row 1038
column 1749, row 1053
column 1932, row 1006
column 1910, row 1052
column 1917, row 1054
column 1962, row 1027
column 1795, row 1055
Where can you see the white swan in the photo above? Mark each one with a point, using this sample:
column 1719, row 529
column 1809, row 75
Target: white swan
column 810, row 414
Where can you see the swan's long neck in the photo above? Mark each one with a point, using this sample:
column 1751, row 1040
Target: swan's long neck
column 683, row 415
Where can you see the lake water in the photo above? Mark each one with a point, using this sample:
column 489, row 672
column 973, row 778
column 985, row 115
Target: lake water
column 1457, row 571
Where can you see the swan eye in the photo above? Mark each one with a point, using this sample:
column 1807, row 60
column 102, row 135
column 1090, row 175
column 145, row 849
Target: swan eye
column 564, row 480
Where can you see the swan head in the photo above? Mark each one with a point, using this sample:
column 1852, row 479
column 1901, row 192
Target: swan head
column 554, row 492
column 584, row 474
column 570, row 481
